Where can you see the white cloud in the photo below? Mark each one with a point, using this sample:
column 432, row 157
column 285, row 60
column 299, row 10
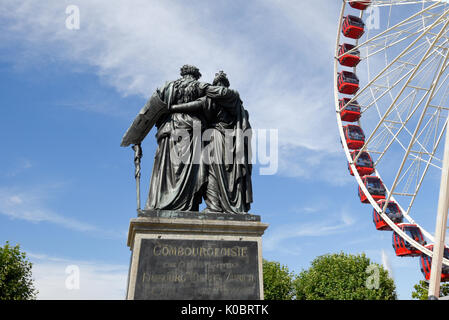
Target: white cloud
column 314, row 25
column 19, row 166
column 278, row 235
column 313, row 165
column 135, row 45
column 25, row 206
column 386, row 263
column 14, row 200
column 53, row 278
column 29, row 205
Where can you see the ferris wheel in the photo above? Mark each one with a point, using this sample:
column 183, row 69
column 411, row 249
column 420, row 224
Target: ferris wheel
column 391, row 87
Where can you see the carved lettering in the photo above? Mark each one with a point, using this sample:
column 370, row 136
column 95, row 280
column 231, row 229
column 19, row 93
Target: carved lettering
column 236, row 251
column 197, row 269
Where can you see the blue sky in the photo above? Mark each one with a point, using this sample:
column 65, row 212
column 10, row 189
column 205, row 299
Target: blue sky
column 67, row 190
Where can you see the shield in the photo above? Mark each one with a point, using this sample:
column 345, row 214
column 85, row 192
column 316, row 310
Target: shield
column 151, row 112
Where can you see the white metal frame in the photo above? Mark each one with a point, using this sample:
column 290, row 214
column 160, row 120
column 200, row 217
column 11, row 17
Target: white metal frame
column 424, row 32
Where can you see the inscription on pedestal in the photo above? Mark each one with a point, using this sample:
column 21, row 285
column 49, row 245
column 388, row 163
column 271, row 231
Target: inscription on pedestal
column 197, row 269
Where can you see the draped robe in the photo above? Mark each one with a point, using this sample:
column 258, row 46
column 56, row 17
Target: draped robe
column 226, row 158
column 229, row 187
column 178, row 180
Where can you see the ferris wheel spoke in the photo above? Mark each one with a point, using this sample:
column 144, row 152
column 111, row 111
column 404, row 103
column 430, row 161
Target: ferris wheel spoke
column 427, row 166
column 427, row 129
column 403, row 103
column 409, row 174
column 401, row 54
column 422, row 149
column 435, row 82
column 412, row 173
column 395, row 135
column 414, row 167
column 401, row 68
column 392, row 86
column 404, row 123
column 403, row 109
column 395, row 31
column 433, row 119
column 410, row 78
column 390, row 40
column 380, row 3
column 403, row 65
column 400, row 24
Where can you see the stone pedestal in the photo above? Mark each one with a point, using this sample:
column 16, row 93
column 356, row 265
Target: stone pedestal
column 192, row 255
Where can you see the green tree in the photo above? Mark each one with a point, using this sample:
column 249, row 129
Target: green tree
column 16, row 281
column 344, row 277
column 422, row 290
column 277, row 281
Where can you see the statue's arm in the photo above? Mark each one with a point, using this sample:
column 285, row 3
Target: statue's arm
column 221, row 93
column 216, row 92
column 194, row 106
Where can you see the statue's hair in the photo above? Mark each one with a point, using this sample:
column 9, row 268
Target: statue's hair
column 221, row 77
column 190, row 70
column 186, row 90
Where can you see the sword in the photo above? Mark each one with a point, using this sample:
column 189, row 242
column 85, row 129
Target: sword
column 137, row 156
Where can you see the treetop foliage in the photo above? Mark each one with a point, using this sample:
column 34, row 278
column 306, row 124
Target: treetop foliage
column 16, row 281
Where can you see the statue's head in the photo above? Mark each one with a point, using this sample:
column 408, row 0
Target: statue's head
column 190, row 70
column 221, row 79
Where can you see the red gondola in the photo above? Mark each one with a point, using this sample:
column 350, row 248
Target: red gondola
column 402, row 247
column 353, row 27
column 348, row 56
column 347, row 82
column 425, row 263
column 375, row 188
column 351, row 112
column 364, row 163
column 360, row 4
column 355, row 138
column 392, row 211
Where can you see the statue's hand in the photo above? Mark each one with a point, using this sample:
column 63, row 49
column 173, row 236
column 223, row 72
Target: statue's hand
column 137, row 151
column 137, row 155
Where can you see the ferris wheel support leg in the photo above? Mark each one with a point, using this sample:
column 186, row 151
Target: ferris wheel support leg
column 441, row 225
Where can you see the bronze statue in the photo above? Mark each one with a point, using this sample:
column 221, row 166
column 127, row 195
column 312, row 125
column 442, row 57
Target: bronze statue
column 186, row 168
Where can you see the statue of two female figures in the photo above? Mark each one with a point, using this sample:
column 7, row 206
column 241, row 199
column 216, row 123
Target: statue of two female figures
column 204, row 150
